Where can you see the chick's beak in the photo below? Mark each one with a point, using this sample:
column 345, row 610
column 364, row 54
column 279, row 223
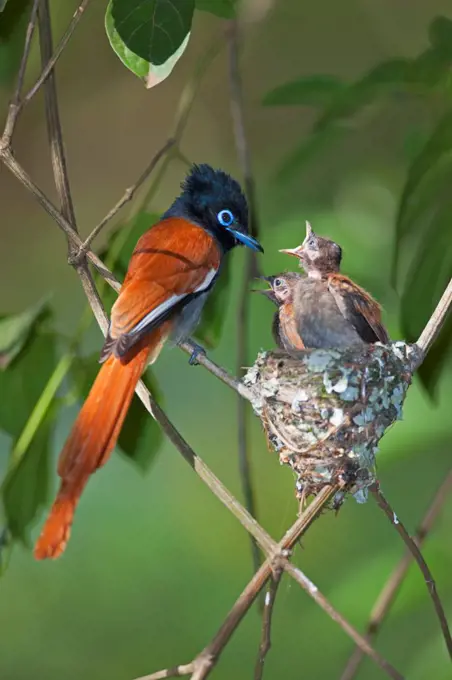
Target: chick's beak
column 264, row 291
column 293, row 251
column 297, row 252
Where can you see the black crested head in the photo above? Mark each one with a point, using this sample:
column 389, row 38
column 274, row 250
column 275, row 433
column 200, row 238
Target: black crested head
column 215, row 201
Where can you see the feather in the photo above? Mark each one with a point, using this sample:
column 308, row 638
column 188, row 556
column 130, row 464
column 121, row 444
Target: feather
column 359, row 308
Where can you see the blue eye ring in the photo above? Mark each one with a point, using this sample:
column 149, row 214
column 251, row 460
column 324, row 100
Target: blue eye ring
column 225, row 218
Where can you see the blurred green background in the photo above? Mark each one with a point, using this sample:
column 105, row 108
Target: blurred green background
column 155, row 562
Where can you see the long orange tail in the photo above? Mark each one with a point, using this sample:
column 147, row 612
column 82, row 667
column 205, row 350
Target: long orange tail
column 91, row 442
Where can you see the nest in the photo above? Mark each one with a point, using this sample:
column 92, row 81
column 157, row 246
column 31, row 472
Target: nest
column 325, row 412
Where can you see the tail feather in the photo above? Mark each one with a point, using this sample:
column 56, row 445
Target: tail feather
column 91, row 442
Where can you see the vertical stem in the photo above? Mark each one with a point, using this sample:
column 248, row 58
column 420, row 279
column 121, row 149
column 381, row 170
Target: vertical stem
column 237, row 113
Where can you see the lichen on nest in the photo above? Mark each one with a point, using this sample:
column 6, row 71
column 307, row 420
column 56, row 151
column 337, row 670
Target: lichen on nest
column 324, row 413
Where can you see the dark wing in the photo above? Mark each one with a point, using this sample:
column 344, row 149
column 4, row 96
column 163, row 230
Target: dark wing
column 358, row 307
column 276, row 331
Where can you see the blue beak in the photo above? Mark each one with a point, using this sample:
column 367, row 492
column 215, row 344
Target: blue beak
column 246, row 239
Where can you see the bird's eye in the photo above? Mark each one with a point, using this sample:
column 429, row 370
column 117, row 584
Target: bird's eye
column 225, row 218
column 277, row 283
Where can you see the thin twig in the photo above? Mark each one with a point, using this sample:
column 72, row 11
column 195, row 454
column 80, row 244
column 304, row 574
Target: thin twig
column 389, row 592
column 243, row 153
column 171, row 145
column 15, row 103
column 49, row 66
column 175, row 672
column 311, row 589
column 128, row 195
column 435, row 322
column 267, row 614
column 414, row 549
column 57, row 152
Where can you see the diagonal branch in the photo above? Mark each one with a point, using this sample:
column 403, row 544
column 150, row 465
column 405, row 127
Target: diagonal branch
column 436, row 321
column 53, row 58
column 15, row 103
column 243, row 152
column 417, row 555
column 391, row 588
column 267, row 616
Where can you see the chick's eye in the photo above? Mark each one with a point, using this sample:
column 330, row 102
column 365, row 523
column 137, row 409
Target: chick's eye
column 225, row 218
column 277, row 283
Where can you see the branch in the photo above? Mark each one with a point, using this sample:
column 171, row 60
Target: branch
column 435, row 323
column 50, row 65
column 391, row 588
column 207, row 659
column 361, row 641
column 127, row 196
column 175, row 672
column 171, row 145
column 242, row 147
column 417, row 555
column 15, row 103
column 267, row 615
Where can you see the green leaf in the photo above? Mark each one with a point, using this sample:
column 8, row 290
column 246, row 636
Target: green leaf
column 440, row 35
column 22, row 383
column 3, row 5
column 141, row 436
column 14, row 331
column 25, row 488
column 427, row 279
column 429, row 178
column 226, row 9
column 149, row 36
column 209, row 330
column 385, row 78
column 309, row 91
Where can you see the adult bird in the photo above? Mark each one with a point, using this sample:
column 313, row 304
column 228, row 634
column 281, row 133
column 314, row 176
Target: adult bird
column 330, row 310
column 172, row 270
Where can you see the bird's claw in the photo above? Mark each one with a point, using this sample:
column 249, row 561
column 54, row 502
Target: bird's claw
column 197, row 350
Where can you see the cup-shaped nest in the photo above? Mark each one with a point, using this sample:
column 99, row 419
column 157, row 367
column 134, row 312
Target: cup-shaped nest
column 325, row 412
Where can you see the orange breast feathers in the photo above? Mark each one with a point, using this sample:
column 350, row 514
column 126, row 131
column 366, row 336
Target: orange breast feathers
column 172, row 261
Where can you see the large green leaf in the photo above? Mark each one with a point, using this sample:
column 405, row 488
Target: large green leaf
column 14, row 331
column 149, row 36
column 208, row 332
column 226, row 9
column 21, row 384
column 308, row 91
column 141, row 436
column 427, row 279
column 440, row 34
column 24, row 490
column 428, row 174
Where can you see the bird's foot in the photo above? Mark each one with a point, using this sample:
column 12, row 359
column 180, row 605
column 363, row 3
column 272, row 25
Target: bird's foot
column 197, row 350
